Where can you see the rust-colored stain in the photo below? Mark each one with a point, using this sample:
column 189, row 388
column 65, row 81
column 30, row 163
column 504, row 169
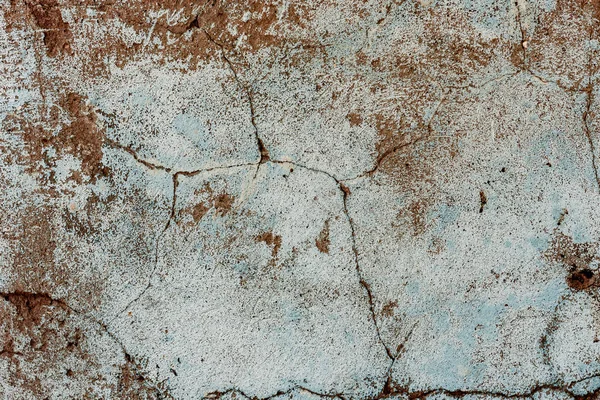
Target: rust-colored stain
column 48, row 17
column 273, row 241
column 576, row 258
column 323, row 242
column 388, row 309
column 223, row 203
column 154, row 154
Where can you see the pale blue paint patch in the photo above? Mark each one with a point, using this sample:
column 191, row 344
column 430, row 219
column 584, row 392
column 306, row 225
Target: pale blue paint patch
column 586, row 386
column 580, row 234
column 445, row 216
column 292, row 312
column 140, row 99
column 453, row 367
column 549, row 5
column 540, row 243
column 191, row 128
column 546, row 298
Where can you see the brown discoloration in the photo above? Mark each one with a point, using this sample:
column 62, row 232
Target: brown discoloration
column 436, row 247
column 45, row 254
column 34, row 247
column 562, row 216
column 77, row 224
column 582, row 279
column 223, row 203
column 198, row 211
column 30, row 306
column 482, row 200
column 57, row 34
column 273, row 241
column 415, row 214
column 223, row 17
column 554, row 46
column 82, row 137
column 354, row 118
column 389, row 129
column 388, row 309
column 36, row 138
column 134, row 385
column 576, row 259
column 418, row 216
column 323, row 242
column 185, row 31
column 40, row 335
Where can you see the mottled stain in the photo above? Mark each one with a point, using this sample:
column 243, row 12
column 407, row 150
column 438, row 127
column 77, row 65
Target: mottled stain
column 34, row 246
column 38, row 333
column 57, row 34
column 82, row 137
column 199, row 211
column 322, row 242
column 576, row 258
column 388, row 309
column 223, row 203
column 355, row 119
column 273, row 241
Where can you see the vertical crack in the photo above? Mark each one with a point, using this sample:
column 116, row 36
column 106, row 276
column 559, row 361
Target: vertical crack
column 367, row 288
column 524, row 41
column 589, row 91
column 262, row 150
column 587, row 130
column 175, row 180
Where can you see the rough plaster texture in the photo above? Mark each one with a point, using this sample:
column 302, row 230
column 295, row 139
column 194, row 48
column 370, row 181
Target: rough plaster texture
column 299, row 199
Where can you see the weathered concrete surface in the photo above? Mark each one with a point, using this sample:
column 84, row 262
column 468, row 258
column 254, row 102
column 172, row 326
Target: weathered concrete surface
column 299, row 199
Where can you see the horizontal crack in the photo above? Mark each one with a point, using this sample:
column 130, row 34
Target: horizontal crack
column 414, row 395
column 133, row 153
column 218, row 394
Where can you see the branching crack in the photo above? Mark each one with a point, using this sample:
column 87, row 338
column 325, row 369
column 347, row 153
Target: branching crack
column 589, row 92
column 389, row 389
column 391, row 392
column 262, row 150
column 345, row 191
column 175, row 179
column 133, row 153
column 30, row 299
column 218, row 394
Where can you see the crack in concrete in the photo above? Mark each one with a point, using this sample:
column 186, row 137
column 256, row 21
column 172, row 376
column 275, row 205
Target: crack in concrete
column 175, row 179
column 387, row 390
column 551, row 327
column 345, row 193
column 133, row 153
column 262, row 150
column 589, row 92
column 103, row 327
column 526, row 67
column 215, row 395
column 414, row 395
column 397, row 148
